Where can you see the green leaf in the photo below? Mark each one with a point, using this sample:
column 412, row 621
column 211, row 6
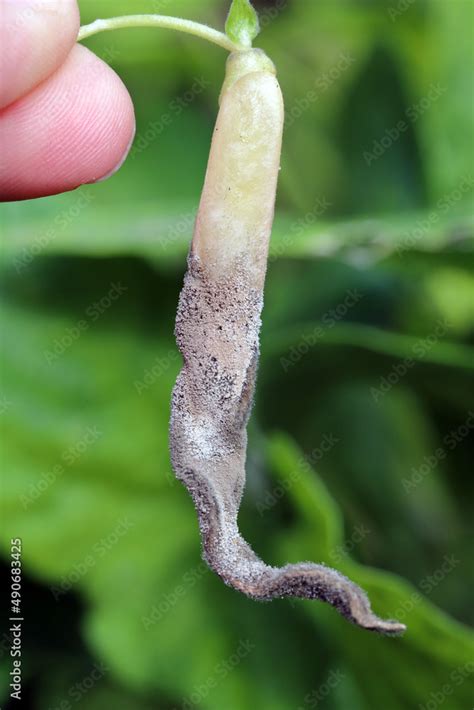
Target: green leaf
column 242, row 25
column 317, row 533
column 83, row 223
column 113, row 512
column 397, row 345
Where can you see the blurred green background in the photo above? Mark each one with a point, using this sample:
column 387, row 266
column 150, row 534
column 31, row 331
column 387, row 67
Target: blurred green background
column 361, row 445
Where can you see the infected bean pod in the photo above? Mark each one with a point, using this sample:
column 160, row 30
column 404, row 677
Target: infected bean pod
column 217, row 331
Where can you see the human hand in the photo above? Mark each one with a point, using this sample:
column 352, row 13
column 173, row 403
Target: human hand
column 65, row 117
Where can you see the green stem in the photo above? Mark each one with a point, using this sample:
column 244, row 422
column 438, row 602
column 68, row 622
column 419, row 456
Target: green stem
column 170, row 23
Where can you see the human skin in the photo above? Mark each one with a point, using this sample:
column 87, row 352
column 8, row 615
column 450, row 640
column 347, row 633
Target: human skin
column 66, row 118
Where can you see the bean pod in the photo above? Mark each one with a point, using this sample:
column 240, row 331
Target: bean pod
column 217, row 331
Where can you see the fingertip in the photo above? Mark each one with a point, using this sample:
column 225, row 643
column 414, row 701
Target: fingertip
column 104, row 125
column 35, row 38
column 110, row 173
column 75, row 128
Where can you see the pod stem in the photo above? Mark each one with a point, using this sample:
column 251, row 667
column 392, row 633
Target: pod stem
column 163, row 21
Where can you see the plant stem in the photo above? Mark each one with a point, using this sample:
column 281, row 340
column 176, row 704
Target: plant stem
column 170, row 23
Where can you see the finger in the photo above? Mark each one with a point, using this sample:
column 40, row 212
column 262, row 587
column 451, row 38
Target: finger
column 35, row 38
column 74, row 128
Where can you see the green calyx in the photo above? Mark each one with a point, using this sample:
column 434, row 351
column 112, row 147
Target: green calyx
column 242, row 25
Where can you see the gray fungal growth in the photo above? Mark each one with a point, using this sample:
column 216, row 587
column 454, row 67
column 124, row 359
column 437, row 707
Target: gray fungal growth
column 217, row 331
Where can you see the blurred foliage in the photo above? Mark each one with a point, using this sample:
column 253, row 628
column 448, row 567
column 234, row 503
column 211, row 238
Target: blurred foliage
column 367, row 366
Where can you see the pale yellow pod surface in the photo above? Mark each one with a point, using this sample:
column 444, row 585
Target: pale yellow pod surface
column 235, row 216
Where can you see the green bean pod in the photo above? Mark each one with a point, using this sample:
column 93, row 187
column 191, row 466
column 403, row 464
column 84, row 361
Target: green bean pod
column 217, row 331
